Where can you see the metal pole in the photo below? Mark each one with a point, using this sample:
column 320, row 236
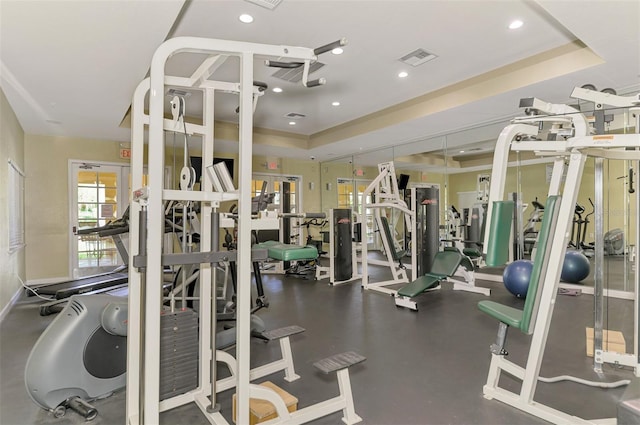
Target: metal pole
column 215, row 243
column 598, row 288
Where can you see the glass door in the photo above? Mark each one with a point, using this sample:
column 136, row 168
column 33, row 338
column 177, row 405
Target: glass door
column 96, row 200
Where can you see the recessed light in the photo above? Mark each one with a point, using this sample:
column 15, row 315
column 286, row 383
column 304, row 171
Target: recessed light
column 245, row 18
column 403, row 74
column 515, row 24
column 337, row 51
column 461, row 151
column 292, row 123
column 277, row 90
column 335, row 103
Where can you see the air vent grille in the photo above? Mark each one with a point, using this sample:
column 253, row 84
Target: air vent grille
column 294, row 115
column 417, row 57
column 295, row 75
column 267, row 4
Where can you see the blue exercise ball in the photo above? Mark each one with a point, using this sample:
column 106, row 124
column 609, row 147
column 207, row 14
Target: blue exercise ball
column 575, row 268
column 516, row 277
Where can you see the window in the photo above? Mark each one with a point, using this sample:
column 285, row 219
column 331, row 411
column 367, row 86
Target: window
column 15, row 204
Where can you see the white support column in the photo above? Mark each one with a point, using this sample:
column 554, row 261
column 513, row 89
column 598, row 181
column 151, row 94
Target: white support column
column 134, row 324
column 243, row 330
column 207, row 276
column 552, row 277
column 155, row 222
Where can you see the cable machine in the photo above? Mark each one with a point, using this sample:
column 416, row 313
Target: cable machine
column 147, row 227
column 535, row 318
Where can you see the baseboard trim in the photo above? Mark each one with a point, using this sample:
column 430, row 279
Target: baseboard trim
column 12, row 301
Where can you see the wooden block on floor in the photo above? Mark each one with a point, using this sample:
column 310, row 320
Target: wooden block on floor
column 261, row 410
column 611, row 341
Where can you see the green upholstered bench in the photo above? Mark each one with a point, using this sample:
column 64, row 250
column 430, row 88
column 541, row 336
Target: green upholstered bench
column 445, row 264
column 525, row 319
column 287, row 252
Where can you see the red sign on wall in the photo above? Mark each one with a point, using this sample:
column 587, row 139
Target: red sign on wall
column 125, row 153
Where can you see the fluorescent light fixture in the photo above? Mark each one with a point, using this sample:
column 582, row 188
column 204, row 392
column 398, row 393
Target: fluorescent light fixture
column 292, row 123
column 335, row 103
column 515, row 24
column 403, row 74
column 337, row 51
column 461, row 151
column 245, row 18
column 277, row 90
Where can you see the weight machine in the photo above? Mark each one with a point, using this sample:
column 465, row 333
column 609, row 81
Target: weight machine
column 383, row 193
column 147, row 221
column 536, row 316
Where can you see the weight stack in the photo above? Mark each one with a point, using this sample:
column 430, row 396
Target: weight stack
column 427, row 227
column 342, row 240
column 178, row 352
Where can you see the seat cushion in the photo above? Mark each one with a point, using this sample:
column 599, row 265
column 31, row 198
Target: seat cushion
column 287, row 252
column 508, row 315
column 419, row 285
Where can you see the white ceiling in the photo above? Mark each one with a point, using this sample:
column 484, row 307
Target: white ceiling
column 69, row 68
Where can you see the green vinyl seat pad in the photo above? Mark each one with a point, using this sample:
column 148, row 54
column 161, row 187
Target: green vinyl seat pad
column 472, row 252
column 420, row 285
column 288, row 252
column 445, row 264
column 508, row 315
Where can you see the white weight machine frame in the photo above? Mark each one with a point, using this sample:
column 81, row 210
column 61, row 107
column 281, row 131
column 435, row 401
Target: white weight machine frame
column 385, row 193
column 575, row 151
column 147, row 222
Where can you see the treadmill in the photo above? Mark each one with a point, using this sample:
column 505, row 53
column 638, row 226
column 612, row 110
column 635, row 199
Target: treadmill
column 99, row 282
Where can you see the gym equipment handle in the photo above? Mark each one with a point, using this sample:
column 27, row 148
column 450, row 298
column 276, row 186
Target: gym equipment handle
column 279, row 64
column 328, row 47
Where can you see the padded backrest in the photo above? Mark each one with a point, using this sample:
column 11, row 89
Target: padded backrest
column 386, row 230
column 445, row 263
column 540, row 263
column 497, row 248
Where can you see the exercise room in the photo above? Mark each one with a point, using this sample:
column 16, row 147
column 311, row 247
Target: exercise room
column 387, row 212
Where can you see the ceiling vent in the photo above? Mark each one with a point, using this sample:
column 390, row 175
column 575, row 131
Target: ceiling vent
column 417, row 57
column 294, row 75
column 267, row 4
column 295, row 115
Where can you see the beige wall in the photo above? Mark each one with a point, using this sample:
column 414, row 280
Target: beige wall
column 12, row 266
column 46, row 160
column 533, row 184
column 47, row 200
column 47, row 194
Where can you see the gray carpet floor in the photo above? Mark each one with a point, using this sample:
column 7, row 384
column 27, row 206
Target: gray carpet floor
column 424, row 367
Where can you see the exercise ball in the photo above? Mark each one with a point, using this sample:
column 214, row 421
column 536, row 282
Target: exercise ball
column 575, row 267
column 516, row 277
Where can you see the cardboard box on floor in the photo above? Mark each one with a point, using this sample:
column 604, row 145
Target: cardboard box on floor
column 261, row 410
column 611, row 341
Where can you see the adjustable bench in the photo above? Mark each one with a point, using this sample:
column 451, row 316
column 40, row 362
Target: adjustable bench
column 445, row 264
